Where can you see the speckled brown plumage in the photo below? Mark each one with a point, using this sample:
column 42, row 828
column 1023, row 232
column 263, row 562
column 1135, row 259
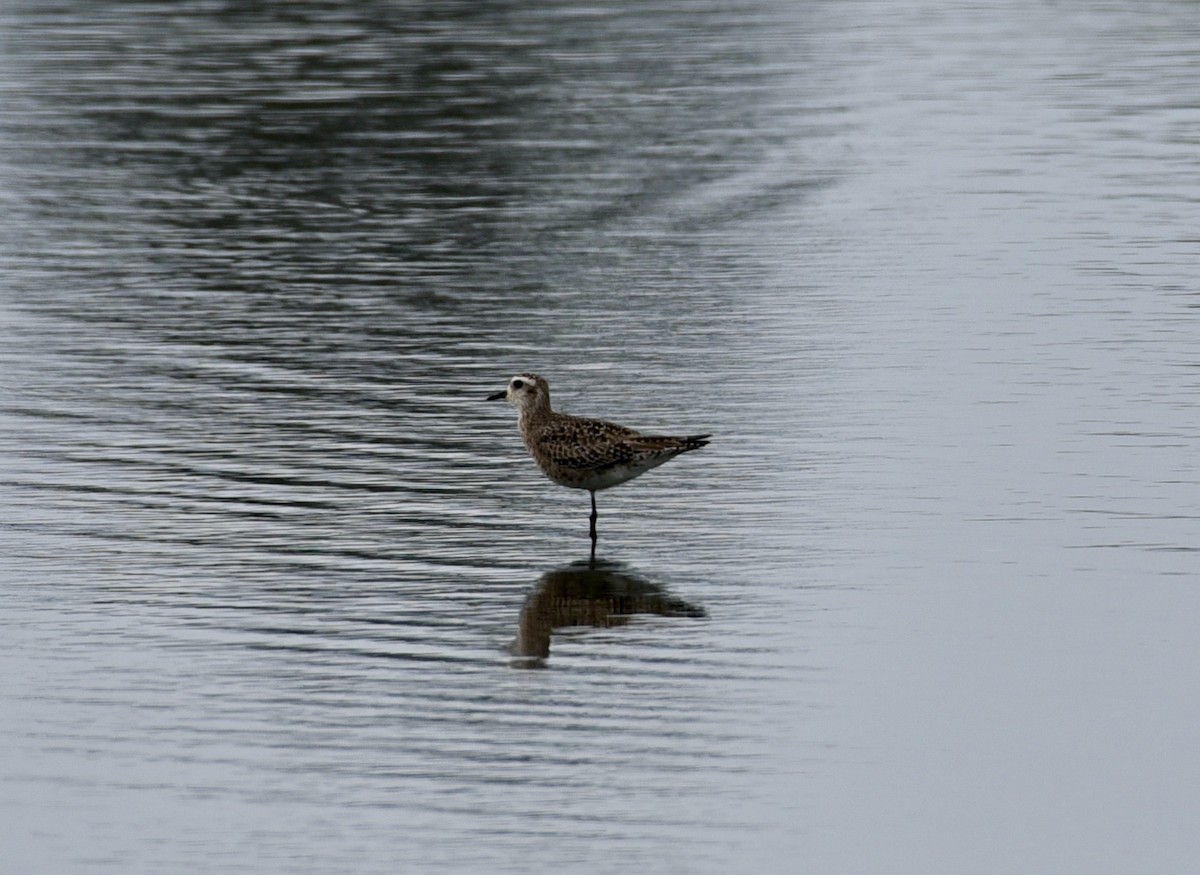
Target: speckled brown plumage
column 585, row 453
column 579, row 452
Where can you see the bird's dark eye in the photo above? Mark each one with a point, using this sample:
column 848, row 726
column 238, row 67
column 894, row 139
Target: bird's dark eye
column 517, row 384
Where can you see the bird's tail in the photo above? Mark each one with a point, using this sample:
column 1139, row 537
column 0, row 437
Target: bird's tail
column 672, row 444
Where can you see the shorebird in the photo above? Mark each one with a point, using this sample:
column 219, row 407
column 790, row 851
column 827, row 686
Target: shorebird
column 583, row 453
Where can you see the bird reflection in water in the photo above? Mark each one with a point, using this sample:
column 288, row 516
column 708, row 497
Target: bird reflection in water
column 598, row 594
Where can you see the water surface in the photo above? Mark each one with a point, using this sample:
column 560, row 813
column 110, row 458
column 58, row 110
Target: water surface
column 272, row 570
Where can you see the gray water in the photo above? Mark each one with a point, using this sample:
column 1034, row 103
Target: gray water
column 280, row 593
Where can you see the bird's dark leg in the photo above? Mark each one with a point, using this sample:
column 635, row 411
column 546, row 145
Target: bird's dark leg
column 592, row 520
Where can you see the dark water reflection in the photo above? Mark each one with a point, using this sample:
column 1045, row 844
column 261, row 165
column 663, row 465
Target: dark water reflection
column 266, row 546
column 588, row 593
column 926, row 272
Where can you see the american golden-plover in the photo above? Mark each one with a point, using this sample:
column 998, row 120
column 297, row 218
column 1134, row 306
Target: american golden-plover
column 583, row 453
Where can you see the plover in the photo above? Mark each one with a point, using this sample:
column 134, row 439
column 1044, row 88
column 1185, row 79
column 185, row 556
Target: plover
column 583, row 453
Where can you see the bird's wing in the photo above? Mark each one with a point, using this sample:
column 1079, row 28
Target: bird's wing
column 574, row 442
column 668, row 443
column 587, row 443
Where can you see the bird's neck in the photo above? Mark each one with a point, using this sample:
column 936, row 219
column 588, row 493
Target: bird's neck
column 535, row 415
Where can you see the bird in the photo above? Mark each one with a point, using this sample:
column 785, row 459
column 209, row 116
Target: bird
column 582, row 453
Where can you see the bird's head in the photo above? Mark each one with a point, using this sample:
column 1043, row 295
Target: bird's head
column 525, row 392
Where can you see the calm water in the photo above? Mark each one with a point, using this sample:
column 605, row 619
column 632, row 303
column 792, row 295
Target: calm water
column 273, row 575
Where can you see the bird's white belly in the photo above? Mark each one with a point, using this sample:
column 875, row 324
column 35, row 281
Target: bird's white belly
column 595, row 480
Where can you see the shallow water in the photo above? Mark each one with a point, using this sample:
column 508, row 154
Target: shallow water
column 273, row 570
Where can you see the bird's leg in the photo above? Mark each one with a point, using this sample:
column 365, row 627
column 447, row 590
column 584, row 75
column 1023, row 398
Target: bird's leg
column 592, row 520
column 592, row 529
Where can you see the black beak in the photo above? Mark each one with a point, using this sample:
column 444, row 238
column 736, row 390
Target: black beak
column 498, row 396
